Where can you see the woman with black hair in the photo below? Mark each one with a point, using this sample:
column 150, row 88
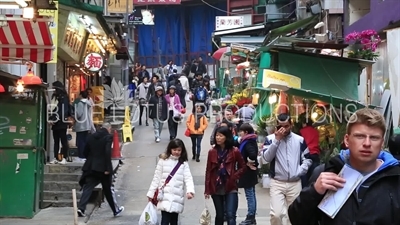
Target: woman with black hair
column 225, row 165
column 249, row 149
column 59, row 119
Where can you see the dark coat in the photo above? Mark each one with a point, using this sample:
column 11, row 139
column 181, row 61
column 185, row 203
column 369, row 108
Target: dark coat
column 98, row 152
column 153, row 108
column 250, row 177
column 60, row 114
column 377, row 201
column 233, row 159
column 152, row 89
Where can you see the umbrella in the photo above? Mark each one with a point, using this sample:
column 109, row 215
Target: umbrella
column 220, row 52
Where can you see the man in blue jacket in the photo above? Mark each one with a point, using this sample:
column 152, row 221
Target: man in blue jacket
column 376, row 200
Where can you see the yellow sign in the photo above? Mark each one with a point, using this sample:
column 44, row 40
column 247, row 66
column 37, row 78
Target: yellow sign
column 271, row 77
column 126, row 127
column 98, row 108
column 118, row 6
column 53, row 27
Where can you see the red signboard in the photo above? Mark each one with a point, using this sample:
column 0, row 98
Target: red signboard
column 156, row 2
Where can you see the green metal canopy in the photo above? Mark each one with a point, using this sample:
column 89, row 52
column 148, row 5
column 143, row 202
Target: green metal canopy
column 310, row 21
column 335, row 101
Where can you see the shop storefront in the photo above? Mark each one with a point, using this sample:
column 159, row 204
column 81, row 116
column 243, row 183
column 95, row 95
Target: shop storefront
column 85, row 36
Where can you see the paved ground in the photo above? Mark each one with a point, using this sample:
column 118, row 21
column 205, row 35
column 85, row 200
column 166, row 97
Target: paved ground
column 135, row 177
column 133, row 182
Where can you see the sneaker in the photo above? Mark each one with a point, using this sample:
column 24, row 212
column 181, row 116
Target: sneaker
column 63, row 161
column 157, row 139
column 81, row 213
column 119, row 211
column 54, row 161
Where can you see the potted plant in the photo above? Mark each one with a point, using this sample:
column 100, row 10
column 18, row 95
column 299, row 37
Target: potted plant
column 363, row 44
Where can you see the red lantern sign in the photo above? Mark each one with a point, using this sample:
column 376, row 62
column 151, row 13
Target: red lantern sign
column 94, row 62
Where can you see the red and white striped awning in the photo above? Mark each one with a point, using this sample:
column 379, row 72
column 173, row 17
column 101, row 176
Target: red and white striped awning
column 23, row 39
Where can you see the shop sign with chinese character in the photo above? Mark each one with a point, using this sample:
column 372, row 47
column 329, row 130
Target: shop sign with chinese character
column 94, row 62
column 228, row 22
column 156, row 2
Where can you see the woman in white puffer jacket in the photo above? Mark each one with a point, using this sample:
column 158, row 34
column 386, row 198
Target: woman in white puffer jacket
column 174, row 193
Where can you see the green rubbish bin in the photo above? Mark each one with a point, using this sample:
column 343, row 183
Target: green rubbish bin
column 22, row 154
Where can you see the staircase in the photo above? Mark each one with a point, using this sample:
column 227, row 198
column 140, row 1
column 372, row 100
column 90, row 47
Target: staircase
column 59, row 180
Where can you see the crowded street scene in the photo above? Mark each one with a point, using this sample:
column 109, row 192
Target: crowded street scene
column 211, row 112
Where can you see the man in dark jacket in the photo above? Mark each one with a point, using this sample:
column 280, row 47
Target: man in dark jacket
column 59, row 119
column 249, row 149
column 375, row 200
column 98, row 169
column 155, row 81
column 143, row 73
column 158, row 111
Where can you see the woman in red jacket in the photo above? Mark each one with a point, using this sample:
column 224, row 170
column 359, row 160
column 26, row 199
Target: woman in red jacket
column 222, row 175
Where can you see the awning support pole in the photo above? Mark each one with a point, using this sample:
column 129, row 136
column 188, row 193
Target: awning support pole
column 28, row 46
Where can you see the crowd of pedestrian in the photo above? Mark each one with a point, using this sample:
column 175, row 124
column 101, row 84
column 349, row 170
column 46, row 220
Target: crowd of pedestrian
column 299, row 182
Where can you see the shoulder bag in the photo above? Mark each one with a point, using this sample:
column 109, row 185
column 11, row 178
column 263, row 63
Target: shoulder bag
column 159, row 193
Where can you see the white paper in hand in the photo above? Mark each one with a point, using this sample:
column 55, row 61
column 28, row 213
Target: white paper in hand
column 334, row 200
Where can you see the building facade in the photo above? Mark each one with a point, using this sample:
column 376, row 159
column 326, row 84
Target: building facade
column 370, row 14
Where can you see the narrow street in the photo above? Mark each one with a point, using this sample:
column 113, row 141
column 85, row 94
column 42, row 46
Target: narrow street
column 137, row 172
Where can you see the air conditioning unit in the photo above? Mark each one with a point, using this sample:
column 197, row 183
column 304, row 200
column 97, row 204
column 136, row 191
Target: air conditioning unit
column 262, row 9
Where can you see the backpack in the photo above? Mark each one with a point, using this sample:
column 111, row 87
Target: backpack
column 179, row 89
column 201, row 94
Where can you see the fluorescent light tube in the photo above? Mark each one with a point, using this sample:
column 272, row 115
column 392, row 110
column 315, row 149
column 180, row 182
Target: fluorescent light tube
column 22, row 3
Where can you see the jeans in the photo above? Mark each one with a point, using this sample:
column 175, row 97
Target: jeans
column 231, row 200
column 196, row 143
column 158, row 125
column 141, row 109
column 182, row 98
column 57, row 136
column 172, row 125
column 81, row 138
column 251, row 200
column 168, row 218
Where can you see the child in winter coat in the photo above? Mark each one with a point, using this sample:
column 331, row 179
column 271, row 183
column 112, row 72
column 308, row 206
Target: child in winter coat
column 197, row 123
column 173, row 192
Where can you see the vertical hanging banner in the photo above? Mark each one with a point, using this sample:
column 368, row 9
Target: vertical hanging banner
column 118, row 6
column 53, row 27
column 393, row 38
column 156, row 2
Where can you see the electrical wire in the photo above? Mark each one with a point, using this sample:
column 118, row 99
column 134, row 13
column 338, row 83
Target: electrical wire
column 239, row 13
column 337, row 24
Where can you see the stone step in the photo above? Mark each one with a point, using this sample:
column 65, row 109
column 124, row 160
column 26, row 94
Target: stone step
column 59, row 203
column 62, row 177
column 74, row 167
column 60, row 195
column 61, row 185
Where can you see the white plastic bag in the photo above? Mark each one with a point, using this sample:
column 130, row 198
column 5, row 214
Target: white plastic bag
column 266, row 181
column 149, row 215
column 187, row 97
column 205, row 217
